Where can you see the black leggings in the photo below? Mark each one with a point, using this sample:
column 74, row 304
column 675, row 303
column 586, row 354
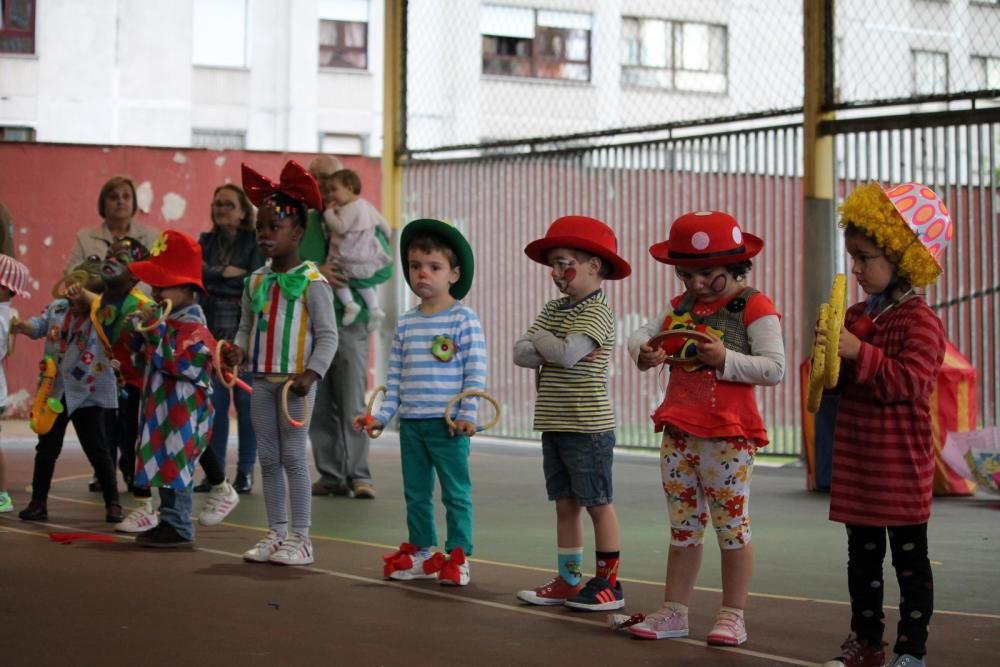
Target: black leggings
column 865, row 553
column 89, row 426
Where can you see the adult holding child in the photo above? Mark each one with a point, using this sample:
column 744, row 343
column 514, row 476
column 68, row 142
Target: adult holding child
column 229, row 253
column 340, row 452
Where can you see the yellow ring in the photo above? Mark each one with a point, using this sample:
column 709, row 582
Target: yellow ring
column 472, row 392
column 284, row 406
column 374, row 432
column 165, row 307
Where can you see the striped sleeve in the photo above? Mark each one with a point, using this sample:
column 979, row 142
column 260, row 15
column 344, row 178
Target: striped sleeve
column 390, row 404
column 472, row 342
column 910, row 374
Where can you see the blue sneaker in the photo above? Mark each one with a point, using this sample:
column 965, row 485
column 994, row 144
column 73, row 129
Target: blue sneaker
column 906, row 660
column 598, row 595
column 6, row 505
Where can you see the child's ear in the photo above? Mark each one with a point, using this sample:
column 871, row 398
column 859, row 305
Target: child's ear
column 456, row 273
column 298, row 232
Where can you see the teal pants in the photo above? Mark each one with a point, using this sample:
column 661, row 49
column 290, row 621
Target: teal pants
column 427, row 449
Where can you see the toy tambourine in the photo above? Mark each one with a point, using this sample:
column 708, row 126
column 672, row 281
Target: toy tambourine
column 369, row 419
column 284, row 406
column 165, row 307
column 661, row 337
column 472, row 392
column 228, row 376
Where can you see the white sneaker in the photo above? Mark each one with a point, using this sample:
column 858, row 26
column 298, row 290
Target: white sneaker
column 375, row 318
column 222, row 500
column 424, row 565
column 456, row 571
column 264, row 549
column 141, row 519
column 351, row 312
column 296, row 550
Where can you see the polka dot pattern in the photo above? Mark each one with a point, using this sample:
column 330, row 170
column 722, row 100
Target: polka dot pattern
column 700, row 240
column 925, row 214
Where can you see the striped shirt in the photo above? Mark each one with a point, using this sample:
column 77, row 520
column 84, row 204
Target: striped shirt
column 576, row 399
column 420, row 384
column 883, row 452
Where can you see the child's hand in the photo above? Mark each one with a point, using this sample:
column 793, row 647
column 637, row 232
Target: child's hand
column 590, row 356
column 303, row 381
column 650, row 357
column 849, row 346
column 232, row 355
column 75, row 293
column 365, row 423
column 19, row 327
column 463, row 427
column 712, row 354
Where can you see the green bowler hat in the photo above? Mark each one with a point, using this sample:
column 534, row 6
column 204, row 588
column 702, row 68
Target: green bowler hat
column 450, row 235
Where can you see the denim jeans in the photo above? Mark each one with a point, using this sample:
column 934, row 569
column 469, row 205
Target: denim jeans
column 220, row 428
column 175, row 509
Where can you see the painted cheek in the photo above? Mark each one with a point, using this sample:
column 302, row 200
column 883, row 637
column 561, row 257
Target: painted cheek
column 719, row 283
column 569, row 274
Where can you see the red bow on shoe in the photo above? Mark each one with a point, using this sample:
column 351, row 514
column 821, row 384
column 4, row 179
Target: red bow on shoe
column 400, row 559
column 295, row 182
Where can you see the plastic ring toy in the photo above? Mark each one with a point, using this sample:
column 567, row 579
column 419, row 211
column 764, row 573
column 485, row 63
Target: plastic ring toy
column 284, row 406
column 165, row 307
column 229, row 377
column 79, row 277
column 687, row 334
column 472, row 392
column 373, row 432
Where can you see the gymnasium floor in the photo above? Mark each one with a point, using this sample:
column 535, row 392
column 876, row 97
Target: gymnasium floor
column 95, row 603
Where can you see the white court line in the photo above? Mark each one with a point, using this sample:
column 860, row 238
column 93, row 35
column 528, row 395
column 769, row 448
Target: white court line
column 530, row 611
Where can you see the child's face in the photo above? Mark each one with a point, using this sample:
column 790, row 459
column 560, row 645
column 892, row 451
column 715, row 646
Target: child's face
column 341, row 194
column 571, row 274
column 869, row 264
column 431, row 274
column 6, row 294
column 179, row 295
column 114, row 268
column 707, row 283
column 276, row 236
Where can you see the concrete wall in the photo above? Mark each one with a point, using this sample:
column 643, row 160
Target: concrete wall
column 51, row 192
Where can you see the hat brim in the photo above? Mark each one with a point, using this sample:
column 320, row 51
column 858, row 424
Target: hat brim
column 451, row 236
column 752, row 245
column 156, row 275
column 536, row 250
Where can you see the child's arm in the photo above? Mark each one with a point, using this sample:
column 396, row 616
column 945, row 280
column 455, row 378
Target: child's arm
column 341, row 220
column 911, row 374
column 765, row 365
column 235, row 354
column 5, row 315
column 525, row 354
column 473, row 342
column 390, row 403
column 34, row 327
column 319, row 302
column 559, row 352
column 645, row 356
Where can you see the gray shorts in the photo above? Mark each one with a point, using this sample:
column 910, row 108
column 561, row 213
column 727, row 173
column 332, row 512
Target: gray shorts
column 578, row 466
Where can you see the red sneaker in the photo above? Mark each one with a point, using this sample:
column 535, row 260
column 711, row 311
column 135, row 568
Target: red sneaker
column 553, row 592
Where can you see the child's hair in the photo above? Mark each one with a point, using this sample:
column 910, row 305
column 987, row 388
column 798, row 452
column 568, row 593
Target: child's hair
column 286, row 207
column 110, row 185
column 897, row 281
column 429, row 243
column 739, row 270
column 349, row 179
column 249, row 218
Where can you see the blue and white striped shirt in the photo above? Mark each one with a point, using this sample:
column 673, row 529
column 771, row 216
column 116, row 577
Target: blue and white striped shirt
column 420, row 384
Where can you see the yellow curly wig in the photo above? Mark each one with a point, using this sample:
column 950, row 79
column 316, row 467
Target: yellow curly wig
column 869, row 209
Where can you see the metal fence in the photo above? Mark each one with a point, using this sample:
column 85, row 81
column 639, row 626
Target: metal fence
column 502, row 203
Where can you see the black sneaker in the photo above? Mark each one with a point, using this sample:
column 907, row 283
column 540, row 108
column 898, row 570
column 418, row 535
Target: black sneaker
column 203, row 487
column 243, row 482
column 598, row 595
column 94, row 486
column 113, row 513
column 34, row 512
column 163, row 536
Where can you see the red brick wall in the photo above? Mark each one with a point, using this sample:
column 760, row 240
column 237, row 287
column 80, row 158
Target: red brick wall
column 51, row 191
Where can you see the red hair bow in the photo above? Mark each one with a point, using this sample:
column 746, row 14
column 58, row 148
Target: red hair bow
column 295, row 182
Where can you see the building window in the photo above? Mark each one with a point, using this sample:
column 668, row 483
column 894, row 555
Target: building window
column 930, row 73
column 16, row 133
column 218, row 139
column 341, row 144
column 343, row 34
column 17, row 26
column 535, row 43
column 986, row 70
column 674, row 55
column 219, row 33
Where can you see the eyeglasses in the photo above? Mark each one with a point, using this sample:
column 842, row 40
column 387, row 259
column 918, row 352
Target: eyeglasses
column 227, row 205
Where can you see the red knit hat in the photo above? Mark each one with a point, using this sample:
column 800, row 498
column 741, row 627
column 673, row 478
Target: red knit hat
column 706, row 238
column 579, row 232
column 175, row 259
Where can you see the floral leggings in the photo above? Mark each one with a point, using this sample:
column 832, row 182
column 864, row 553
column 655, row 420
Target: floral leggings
column 702, row 475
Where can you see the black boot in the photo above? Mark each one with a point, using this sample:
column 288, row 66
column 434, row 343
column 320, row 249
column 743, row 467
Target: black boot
column 243, row 482
column 34, row 512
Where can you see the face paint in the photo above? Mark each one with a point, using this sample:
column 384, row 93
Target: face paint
column 569, row 274
column 719, row 283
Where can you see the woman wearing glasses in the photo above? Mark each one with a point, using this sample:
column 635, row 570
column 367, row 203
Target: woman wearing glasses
column 229, row 253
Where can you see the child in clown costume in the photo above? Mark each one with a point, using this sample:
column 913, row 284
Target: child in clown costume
column 892, row 347
column 709, row 418
column 287, row 335
column 176, row 413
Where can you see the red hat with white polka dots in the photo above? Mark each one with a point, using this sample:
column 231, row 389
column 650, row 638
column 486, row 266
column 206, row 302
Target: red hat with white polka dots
column 706, row 238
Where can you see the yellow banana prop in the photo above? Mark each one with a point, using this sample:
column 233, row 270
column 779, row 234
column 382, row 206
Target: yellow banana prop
column 45, row 409
column 824, row 363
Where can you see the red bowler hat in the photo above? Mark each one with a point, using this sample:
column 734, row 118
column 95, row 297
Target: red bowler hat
column 706, row 238
column 579, row 232
column 175, row 259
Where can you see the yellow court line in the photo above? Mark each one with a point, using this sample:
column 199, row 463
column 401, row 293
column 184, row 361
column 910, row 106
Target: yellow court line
column 529, row 611
column 533, row 568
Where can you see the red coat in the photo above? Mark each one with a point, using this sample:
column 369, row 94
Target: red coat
column 883, row 454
